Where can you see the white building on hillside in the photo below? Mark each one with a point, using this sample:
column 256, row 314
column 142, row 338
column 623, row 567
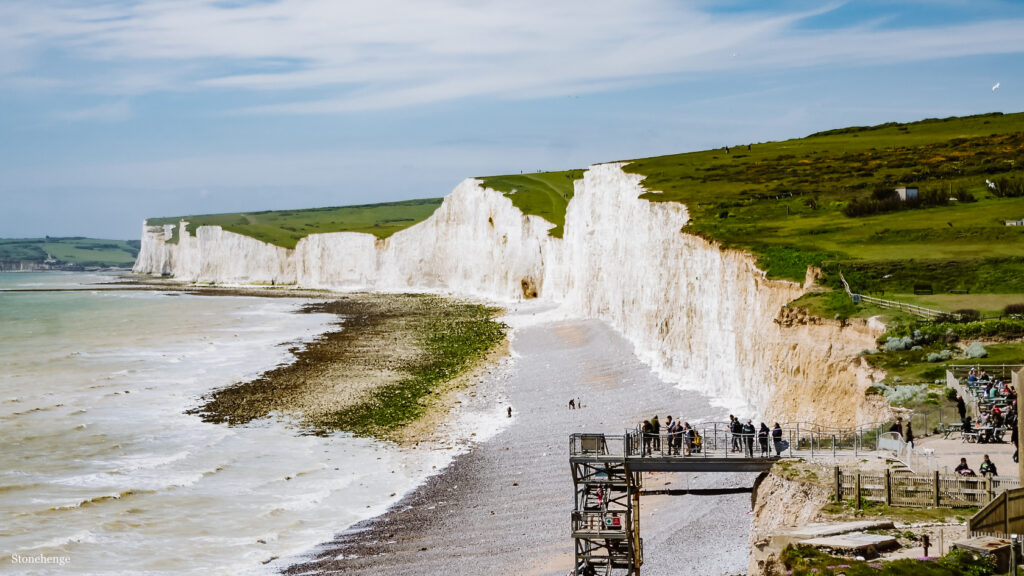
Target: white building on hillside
column 906, row 193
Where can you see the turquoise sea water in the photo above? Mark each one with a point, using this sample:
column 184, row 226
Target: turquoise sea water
column 103, row 470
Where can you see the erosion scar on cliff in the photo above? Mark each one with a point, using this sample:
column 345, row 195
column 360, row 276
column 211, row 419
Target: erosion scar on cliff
column 391, row 359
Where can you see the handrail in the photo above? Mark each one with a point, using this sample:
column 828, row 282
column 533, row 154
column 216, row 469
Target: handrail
column 969, row 399
column 965, row 368
column 907, row 454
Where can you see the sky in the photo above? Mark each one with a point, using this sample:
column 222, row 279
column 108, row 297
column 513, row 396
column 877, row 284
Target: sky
column 114, row 111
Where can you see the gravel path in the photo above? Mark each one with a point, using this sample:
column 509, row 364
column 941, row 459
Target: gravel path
column 504, row 506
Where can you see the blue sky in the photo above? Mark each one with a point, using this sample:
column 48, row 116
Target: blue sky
column 114, row 111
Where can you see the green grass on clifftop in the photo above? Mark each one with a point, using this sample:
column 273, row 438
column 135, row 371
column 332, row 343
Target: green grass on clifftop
column 73, row 250
column 286, row 227
column 783, row 201
column 544, row 194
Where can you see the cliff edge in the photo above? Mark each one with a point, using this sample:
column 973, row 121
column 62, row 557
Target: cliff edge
column 703, row 317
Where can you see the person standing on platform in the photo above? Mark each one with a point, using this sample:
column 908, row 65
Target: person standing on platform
column 655, row 434
column 748, row 432
column 777, row 439
column 762, row 440
column 736, row 427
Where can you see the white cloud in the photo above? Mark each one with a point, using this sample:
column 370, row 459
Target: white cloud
column 395, row 53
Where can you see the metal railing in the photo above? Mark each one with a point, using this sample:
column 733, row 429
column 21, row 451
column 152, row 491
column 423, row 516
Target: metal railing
column 1005, row 370
column 969, row 397
column 800, row 439
column 716, row 440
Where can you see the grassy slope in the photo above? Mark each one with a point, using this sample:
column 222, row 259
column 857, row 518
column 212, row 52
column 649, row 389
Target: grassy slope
column 782, row 200
column 544, row 194
column 82, row 251
column 286, row 227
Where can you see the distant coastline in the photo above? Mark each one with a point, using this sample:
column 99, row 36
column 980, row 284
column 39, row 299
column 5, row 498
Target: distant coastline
column 32, row 266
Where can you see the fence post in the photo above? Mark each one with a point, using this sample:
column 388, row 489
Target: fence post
column 857, row 486
column 1013, row 554
column 839, row 485
column 988, row 488
column 936, row 478
column 888, row 488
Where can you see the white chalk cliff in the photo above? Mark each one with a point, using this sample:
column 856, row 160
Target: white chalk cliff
column 703, row 317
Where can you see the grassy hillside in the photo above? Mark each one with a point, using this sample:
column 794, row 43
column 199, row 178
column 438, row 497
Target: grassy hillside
column 74, row 250
column 286, row 227
column 784, row 200
column 544, row 194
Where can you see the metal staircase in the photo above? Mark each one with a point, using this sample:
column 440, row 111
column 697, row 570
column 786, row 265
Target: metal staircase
column 606, row 518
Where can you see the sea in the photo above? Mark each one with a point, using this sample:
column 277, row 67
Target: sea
column 104, row 471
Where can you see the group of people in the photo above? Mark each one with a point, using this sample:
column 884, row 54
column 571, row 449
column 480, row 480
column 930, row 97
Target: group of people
column 680, row 438
column 683, row 439
column 987, row 468
column 906, row 431
column 997, row 408
column 743, row 437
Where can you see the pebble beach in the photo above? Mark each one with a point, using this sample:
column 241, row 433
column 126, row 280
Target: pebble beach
column 503, row 506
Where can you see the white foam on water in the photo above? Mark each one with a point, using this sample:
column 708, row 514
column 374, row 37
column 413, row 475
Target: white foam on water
column 103, row 464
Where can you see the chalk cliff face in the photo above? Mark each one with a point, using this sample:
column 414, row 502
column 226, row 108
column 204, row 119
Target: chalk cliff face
column 702, row 316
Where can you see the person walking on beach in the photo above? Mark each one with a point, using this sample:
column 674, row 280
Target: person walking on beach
column 572, row 404
column 777, row 439
column 762, row 439
column 748, row 432
column 656, row 434
column 645, row 433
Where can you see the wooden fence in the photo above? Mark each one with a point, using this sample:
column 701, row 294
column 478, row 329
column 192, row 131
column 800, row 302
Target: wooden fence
column 1003, row 515
column 927, row 313
column 919, row 490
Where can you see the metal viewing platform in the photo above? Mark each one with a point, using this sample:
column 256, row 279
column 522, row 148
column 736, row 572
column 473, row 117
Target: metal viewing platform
column 607, row 472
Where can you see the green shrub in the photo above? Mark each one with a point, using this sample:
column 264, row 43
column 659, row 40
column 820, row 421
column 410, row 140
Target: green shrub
column 968, row 315
column 976, row 350
column 1014, row 310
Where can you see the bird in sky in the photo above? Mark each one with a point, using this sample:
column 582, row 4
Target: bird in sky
column 996, row 86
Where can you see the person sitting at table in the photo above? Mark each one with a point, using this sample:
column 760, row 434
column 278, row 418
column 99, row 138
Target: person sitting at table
column 972, row 377
column 963, row 469
column 988, row 468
